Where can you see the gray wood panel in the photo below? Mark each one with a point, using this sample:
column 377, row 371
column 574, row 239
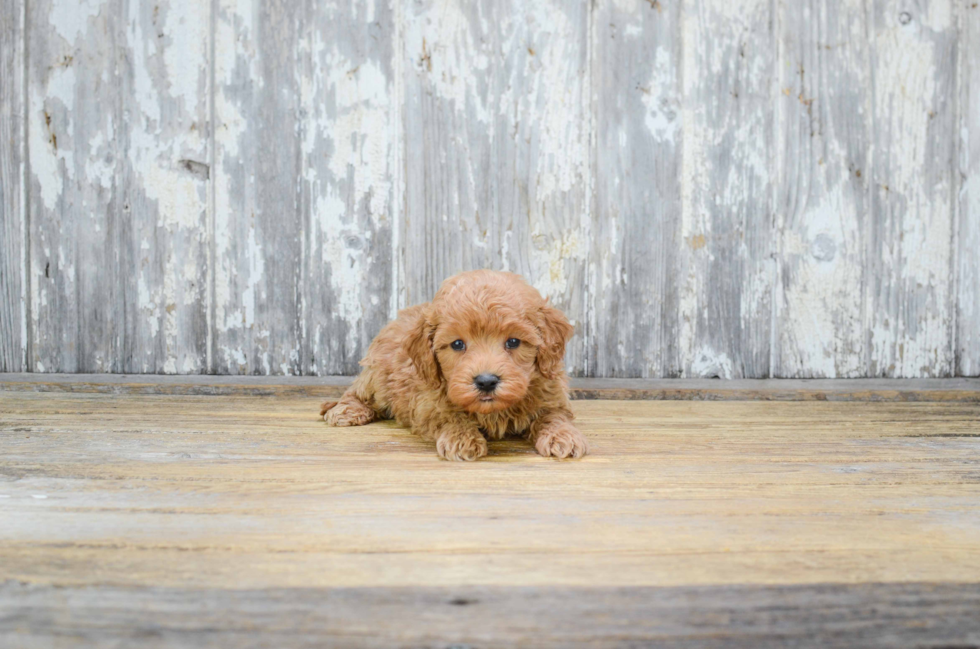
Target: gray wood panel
column 448, row 60
column 968, row 198
column 708, row 188
column 638, row 122
column 71, row 66
column 117, row 113
column 305, row 151
column 13, row 323
column 823, row 616
column 909, row 293
column 541, row 108
column 496, row 131
column 259, row 222
column 824, row 129
column 725, row 268
column 350, row 154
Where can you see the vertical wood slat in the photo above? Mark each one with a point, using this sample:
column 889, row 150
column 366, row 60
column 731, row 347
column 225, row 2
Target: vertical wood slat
column 449, row 60
column 303, row 196
column 259, row 225
column 349, row 156
column 164, row 178
column 496, row 128
column 724, row 265
column 117, row 110
column 909, row 315
column 13, row 333
column 541, row 111
column 72, row 254
column 637, row 87
column 822, row 161
column 968, row 168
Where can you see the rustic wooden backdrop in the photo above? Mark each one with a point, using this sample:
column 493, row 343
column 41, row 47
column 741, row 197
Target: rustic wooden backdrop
column 734, row 188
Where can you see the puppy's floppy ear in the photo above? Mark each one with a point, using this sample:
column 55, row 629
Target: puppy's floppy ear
column 555, row 332
column 418, row 346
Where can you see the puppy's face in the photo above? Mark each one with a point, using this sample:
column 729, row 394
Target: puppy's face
column 487, row 365
column 484, row 336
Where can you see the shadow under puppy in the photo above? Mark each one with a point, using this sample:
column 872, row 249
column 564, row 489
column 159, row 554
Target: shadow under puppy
column 481, row 361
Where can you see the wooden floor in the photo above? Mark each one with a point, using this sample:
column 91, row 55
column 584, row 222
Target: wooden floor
column 134, row 520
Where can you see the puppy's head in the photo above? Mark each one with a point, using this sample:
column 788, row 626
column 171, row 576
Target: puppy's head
column 485, row 335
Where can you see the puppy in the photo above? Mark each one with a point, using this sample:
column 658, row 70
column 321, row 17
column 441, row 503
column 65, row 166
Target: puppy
column 481, row 361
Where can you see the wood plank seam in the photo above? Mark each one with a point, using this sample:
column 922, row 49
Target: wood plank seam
column 27, row 331
column 212, row 173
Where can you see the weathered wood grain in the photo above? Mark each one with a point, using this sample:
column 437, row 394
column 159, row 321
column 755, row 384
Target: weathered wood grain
column 724, row 266
column 163, row 178
column 305, row 151
column 260, row 219
column 448, row 65
column 819, row 616
column 496, row 139
column 908, row 295
column 117, row 113
column 183, row 491
column 74, row 256
column 968, row 201
column 638, row 124
column 824, row 114
column 127, row 513
column 731, row 189
column 13, row 287
column 349, row 128
column 541, row 112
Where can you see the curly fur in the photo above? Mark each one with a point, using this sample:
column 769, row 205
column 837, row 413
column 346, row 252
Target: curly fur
column 412, row 374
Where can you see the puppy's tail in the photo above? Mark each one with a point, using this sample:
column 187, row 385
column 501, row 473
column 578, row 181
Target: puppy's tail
column 325, row 406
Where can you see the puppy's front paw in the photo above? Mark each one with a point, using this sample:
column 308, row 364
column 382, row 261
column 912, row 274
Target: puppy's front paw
column 461, row 445
column 561, row 440
column 349, row 413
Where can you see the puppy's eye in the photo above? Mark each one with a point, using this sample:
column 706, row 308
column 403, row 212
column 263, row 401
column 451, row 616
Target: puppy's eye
column 458, row 345
column 512, row 343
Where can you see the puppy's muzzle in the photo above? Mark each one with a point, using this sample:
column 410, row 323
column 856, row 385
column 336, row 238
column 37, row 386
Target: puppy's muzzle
column 486, row 382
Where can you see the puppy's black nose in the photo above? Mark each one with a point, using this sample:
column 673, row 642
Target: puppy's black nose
column 486, row 382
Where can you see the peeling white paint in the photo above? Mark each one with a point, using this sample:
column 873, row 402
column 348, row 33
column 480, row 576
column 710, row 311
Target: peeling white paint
column 186, row 24
column 70, row 19
column 632, row 6
column 441, row 48
column 725, row 184
column 513, row 80
column 168, row 46
column 52, row 166
column 912, row 339
column 710, row 363
column 99, row 167
column 822, row 289
column 552, row 101
column 350, row 105
column 553, row 264
column 660, row 100
column 148, row 305
column 253, row 280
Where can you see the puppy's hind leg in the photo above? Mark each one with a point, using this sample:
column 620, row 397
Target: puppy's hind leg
column 349, row 411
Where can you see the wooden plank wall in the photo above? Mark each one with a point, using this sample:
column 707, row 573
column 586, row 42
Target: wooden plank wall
column 707, row 187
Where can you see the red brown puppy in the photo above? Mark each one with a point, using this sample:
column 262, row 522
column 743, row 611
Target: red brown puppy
column 481, row 361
